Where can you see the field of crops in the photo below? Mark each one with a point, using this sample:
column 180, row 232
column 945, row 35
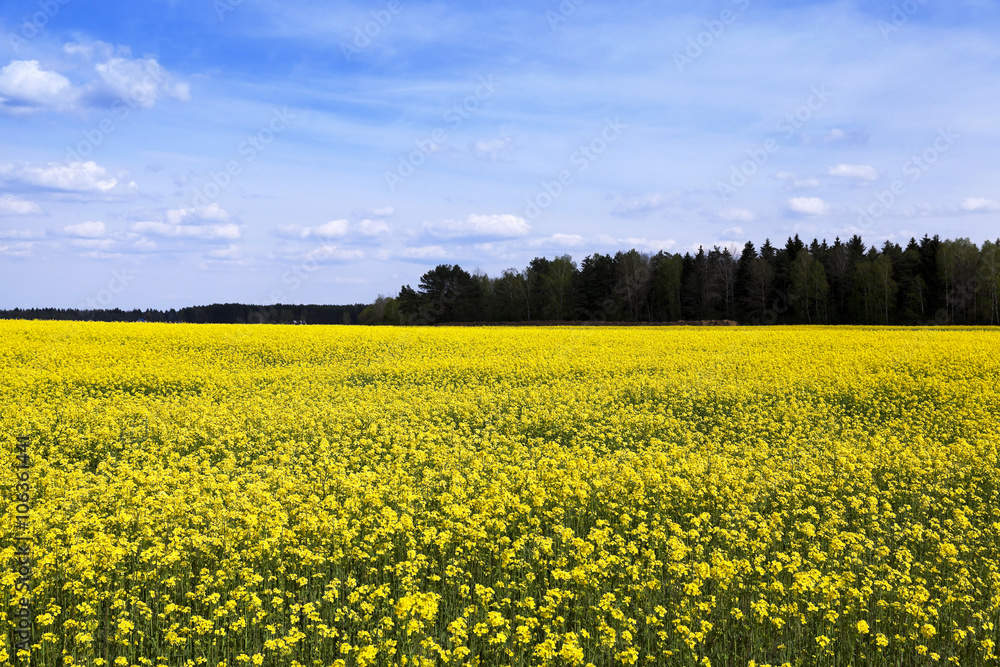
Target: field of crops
column 338, row 496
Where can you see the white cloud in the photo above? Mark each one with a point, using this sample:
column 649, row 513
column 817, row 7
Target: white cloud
column 500, row 226
column 808, row 206
column 639, row 206
column 493, row 150
column 231, row 251
column 330, row 229
column 211, row 213
column 76, row 177
column 20, row 249
column 11, row 205
column 558, row 239
column 25, row 88
column 372, row 227
column 865, row 172
column 228, row 231
column 328, row 252
column 424, row 252
column 139, row 81
column 980, row 204
column 738, row 215
column 90, row 230
column 208, row 223
column 800, row 183
column 386, row 212
column 335, row 229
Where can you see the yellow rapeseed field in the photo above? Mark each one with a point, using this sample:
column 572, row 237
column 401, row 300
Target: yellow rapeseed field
column 340, row 496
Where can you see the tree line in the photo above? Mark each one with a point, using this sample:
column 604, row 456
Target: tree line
column 927, row 282
column 218, row 313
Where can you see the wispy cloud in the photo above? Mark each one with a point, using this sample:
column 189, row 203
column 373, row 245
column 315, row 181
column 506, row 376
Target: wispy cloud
column 864, row 172
column 90, row 230
column 638, row 207
column 479, row 226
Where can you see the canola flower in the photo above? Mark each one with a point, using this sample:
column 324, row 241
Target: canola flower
column 341, row 496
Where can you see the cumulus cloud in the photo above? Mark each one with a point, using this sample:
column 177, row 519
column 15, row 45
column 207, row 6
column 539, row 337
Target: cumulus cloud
column 11, row 205
column 330, row 229
column 26, row 88
column 497, row 226
column 335, row 253
column 368, row 227
column 980, row 205
column 139, row 81
column 424, row 252
column 207, row 223
column 737, row 215
column 211, row 213
column 639, row 206
column 808, row 206
column 104, row 75
column 229, row 231
column 91, row 230
column 75, row 177
column 559, row 239
column 864, row 172
column 372, row 227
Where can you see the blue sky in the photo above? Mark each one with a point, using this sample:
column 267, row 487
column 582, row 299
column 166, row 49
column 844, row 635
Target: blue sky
column 174, row 153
